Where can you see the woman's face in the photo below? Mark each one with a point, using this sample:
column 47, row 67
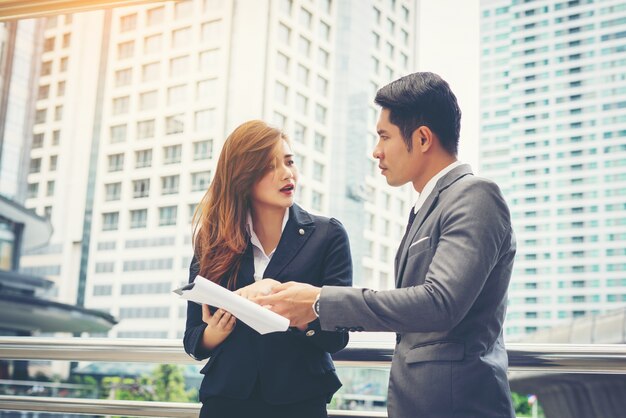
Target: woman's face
column 277, row 187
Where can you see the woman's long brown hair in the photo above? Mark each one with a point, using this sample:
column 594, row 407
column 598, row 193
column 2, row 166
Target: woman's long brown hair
column 219, row 222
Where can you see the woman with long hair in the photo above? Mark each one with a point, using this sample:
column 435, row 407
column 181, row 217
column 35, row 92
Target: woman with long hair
column 248, row 236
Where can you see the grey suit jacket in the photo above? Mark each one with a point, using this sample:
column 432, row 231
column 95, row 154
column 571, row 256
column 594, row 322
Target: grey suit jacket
column 452, row 275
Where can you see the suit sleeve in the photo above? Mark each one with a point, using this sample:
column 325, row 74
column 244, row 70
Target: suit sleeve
column 336, row 271
column 194, row 328
column 474, row 228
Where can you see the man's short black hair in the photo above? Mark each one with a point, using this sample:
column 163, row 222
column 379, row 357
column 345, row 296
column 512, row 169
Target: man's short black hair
column 423, row 99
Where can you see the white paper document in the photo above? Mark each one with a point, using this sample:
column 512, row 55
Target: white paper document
column 255, row 316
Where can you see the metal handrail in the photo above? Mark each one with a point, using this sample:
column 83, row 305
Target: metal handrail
column 560, row 358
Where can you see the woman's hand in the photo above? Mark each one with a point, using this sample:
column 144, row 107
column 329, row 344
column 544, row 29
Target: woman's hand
column 219, row 326
column 260, row 288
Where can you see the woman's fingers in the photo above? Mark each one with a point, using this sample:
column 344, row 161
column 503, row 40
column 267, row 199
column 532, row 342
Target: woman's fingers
column 206, row 313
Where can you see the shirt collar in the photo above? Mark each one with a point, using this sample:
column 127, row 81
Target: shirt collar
column 430, row 186
column 253, row 237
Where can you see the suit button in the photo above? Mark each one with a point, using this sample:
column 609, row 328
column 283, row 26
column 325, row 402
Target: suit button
column 301, row 231
column 310, row 333
column 398, row 338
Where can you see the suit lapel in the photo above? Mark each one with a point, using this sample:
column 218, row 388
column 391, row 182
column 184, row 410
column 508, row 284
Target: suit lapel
column 421, row 216
column 246, row 269
column 426, row 209
column 298, row 230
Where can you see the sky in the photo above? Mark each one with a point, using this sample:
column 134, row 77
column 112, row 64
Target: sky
column 448, row 40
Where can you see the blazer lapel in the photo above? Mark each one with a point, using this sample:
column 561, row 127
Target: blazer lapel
column 422, row 214
column 246, row 269
column 298, row 230
column 426, row 209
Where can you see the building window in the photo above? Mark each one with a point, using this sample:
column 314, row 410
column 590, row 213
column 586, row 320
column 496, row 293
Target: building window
column 48, row 44
column 37, row 141
column 116, row 162
column 169, row 184
column 138, row 218
column 53, row 163
column 299, row 132
column 319, row 143
column 181, row 38
column 282, row 63
column 202, row 150
column 141, row 188
column 40, row 116
column 148, row 100
column 206, row 89
column 171, row 154
column 112, row 191
column 302, row 74
column 125, row 49
column 318, row 171
column 320, row 114
column 63, row 64
column 155, row 16
column 43, row 92
column 152, row 44
column 208, row 61
column 128, row 22
column 61, row 89
column 302, row 104
column 176, row 94
column 205, row 120
column 110, row 221
column 145, row 129
column 211, row 31
column 123, row 77
column 324, row 31
column 35, row 165
column 58, row 113
column 179, row 66
column 284, row 34
column 322, row 86
column 121, row 105
column 32, row 190
column 150, row 72
column 316, row 200
column 323, row 58
column 56, row 137
column 305, row 18
column 167, row 215
column 118, row 133
column 174, row 124
column 143, row 158
column 304, row 46
column 280, row 93
column 183, row 9
column 46, row 68
column 200, row 181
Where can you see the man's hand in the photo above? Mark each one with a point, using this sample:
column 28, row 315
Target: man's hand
column 260, row 288
column 292, row 300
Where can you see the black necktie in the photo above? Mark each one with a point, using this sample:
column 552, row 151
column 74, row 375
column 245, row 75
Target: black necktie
column 411, row 219
column 408, row 227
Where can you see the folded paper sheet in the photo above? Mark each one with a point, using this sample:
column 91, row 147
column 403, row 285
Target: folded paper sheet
column 255, row 316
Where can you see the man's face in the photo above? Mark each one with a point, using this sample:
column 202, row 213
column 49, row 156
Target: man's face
column 397, row 164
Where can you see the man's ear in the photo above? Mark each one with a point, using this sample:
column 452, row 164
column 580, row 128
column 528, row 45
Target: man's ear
column 423, row 138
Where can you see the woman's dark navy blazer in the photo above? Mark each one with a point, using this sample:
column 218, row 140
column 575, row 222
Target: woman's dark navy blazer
column 289, row 365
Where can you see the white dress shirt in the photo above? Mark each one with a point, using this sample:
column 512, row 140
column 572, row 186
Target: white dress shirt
column 430, row 186
column 261, row 260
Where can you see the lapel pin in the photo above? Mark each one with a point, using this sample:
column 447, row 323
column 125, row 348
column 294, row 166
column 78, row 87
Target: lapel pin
column 301, row 231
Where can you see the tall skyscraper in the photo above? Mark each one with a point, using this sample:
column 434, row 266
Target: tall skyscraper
column 553, row 135
column 135, row 103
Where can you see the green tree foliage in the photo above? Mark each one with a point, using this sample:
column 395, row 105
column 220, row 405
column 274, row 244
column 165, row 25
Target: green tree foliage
column 165, row 384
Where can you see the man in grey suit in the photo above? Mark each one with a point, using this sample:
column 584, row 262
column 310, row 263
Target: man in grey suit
column 453, row 267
